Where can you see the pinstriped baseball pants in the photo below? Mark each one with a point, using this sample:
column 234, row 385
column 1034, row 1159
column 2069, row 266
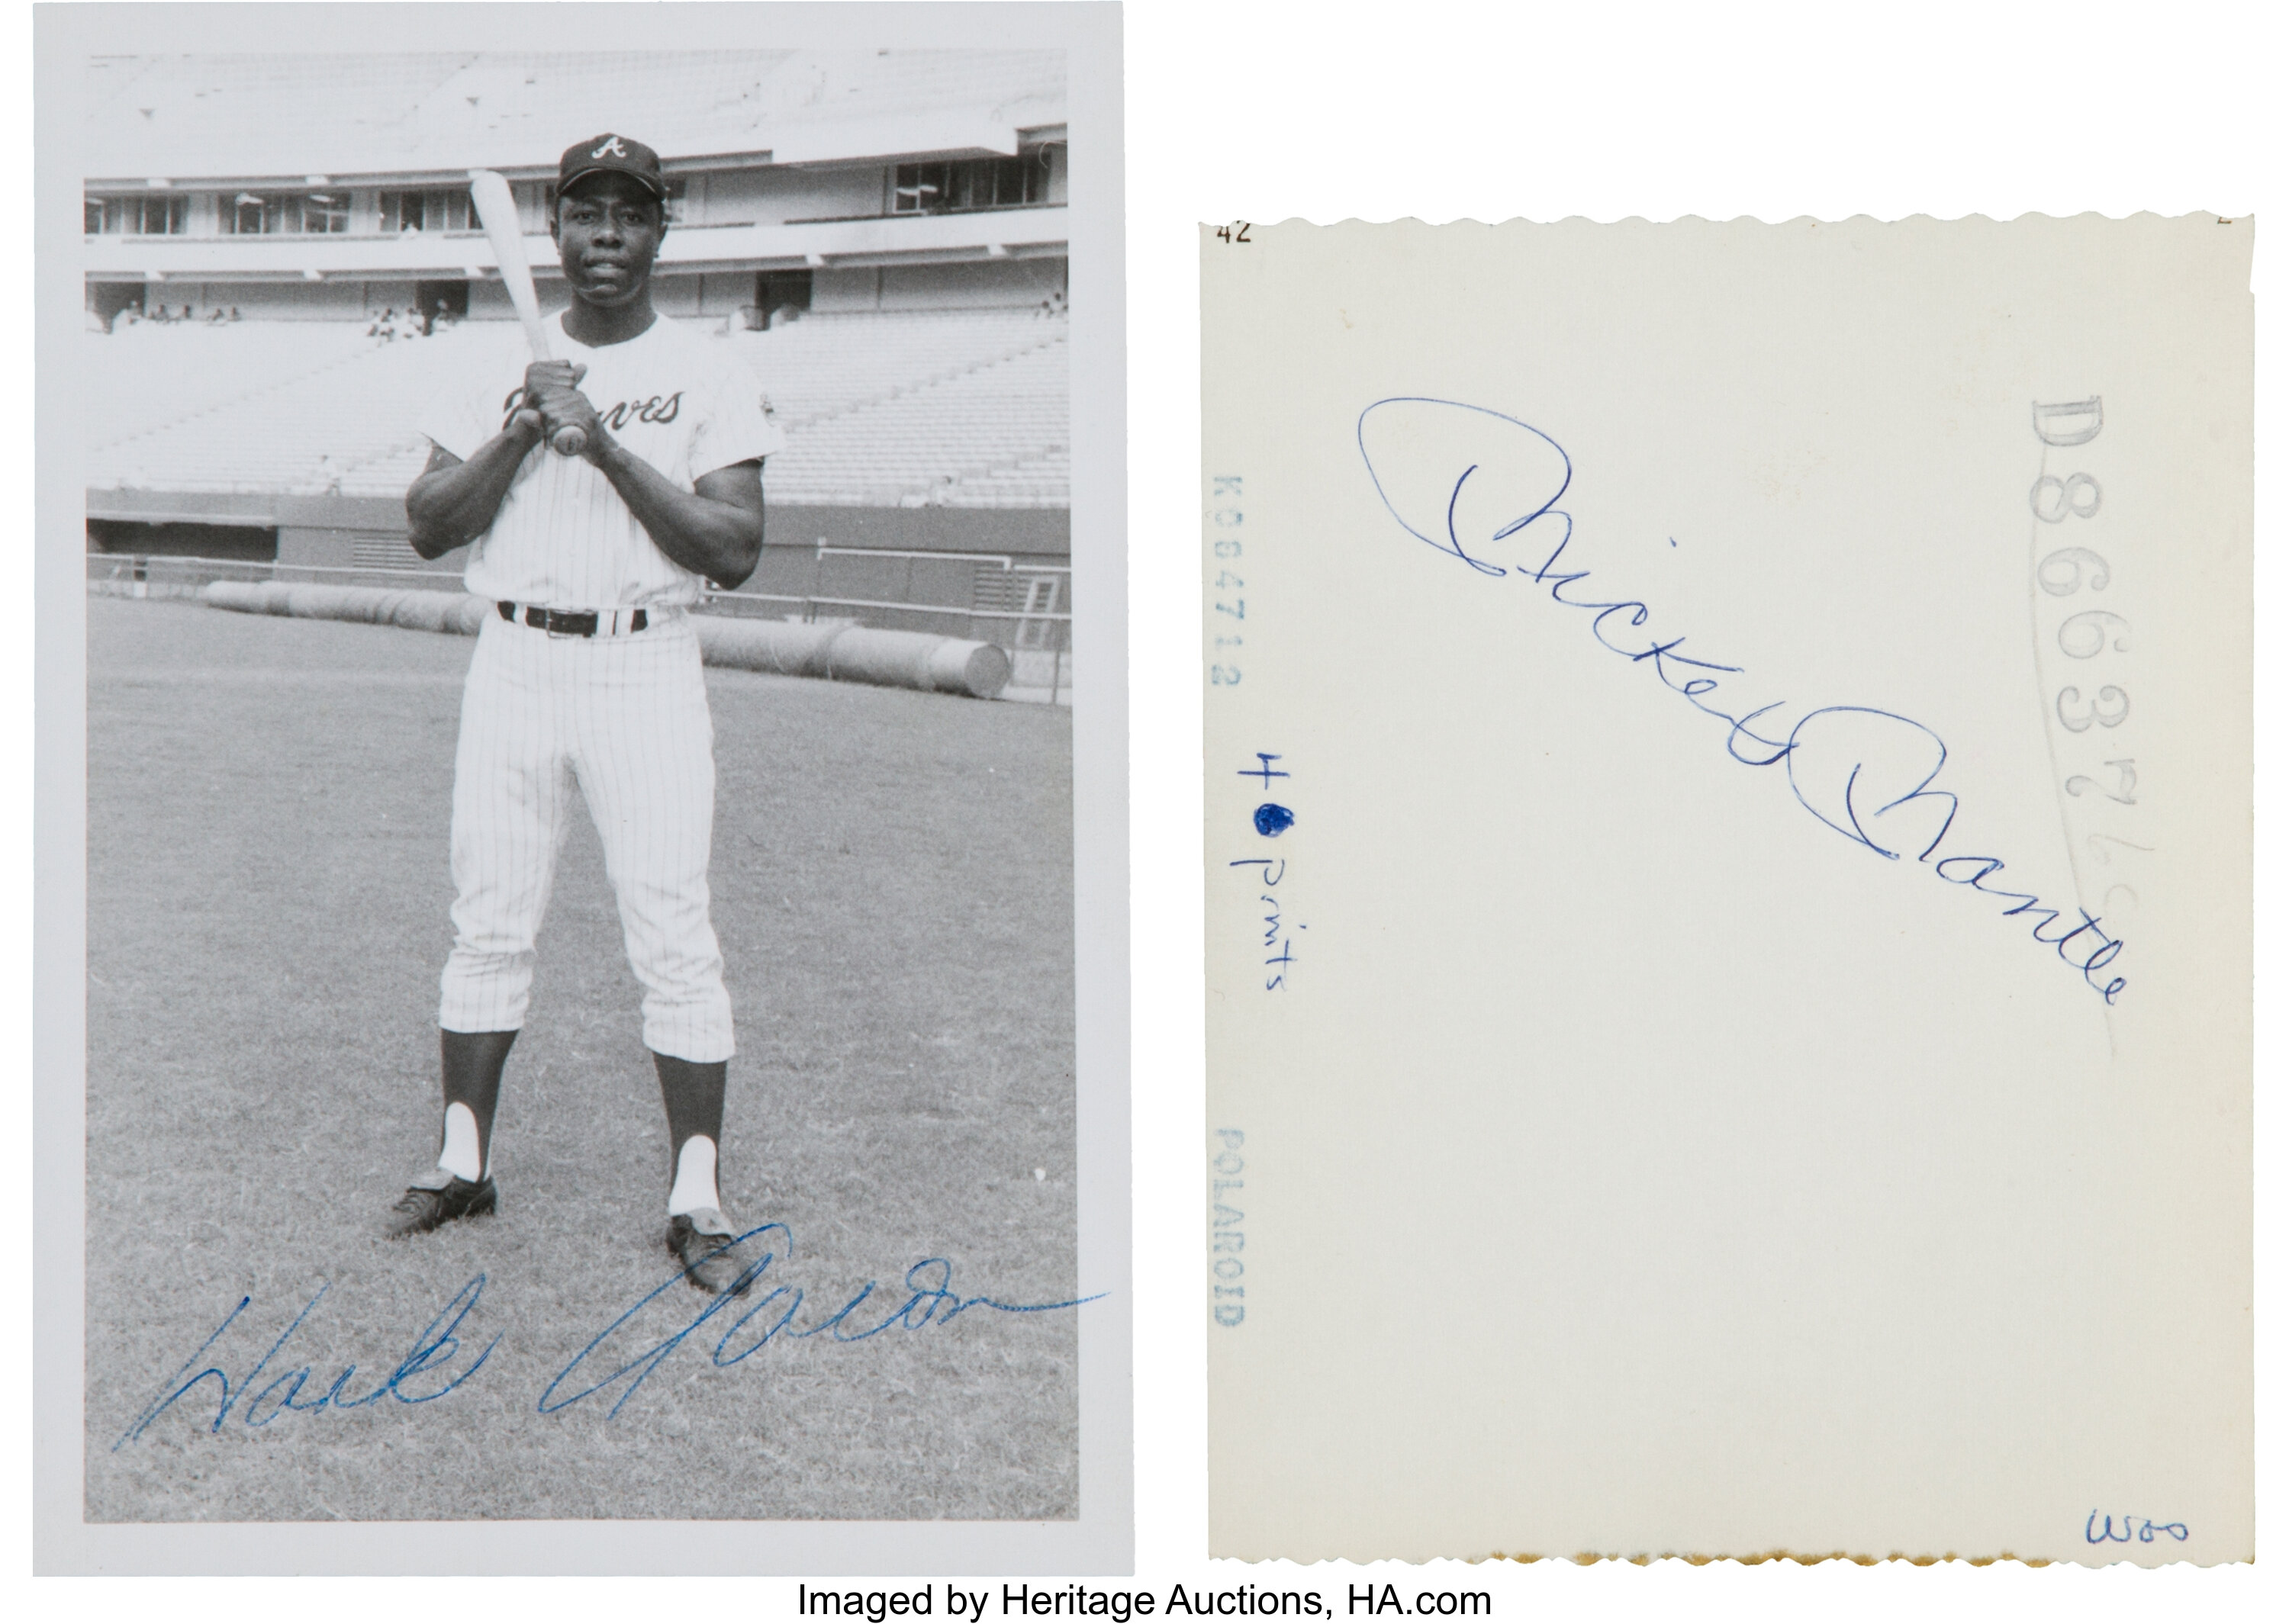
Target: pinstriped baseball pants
column 626, row 718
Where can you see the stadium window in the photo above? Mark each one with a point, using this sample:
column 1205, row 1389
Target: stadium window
column 326, row 212
column 968, row 186
column 262, row 214
column 920, row 189
column 251, row 215
column 439, row 211
column 158, row 215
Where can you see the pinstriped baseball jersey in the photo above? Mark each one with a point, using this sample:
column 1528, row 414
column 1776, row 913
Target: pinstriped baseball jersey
column 563, row 538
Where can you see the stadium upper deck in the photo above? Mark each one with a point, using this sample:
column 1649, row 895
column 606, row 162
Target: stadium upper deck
column 882, row 234
column 326, row 186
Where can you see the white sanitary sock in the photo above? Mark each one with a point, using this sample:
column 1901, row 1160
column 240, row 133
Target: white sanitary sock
column 695, row 1177
column 459, row 1157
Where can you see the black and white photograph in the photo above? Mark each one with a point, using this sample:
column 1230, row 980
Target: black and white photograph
column 803, row 837
column 581, row 706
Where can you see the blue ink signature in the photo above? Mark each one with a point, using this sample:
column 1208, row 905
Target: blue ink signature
column 931, row 1300
column 1865, row 773
column 436, row 1346
column 2144, row 1528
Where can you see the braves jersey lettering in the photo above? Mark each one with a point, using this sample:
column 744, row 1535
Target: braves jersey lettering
column 563, row 538
column 656, row 410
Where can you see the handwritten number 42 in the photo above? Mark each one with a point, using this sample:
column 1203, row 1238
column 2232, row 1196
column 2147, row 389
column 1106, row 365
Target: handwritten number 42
column 1234, row 233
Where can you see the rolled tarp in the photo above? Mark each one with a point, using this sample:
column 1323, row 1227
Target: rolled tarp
column 855, row 654
column 419, row 611
column 921, row 660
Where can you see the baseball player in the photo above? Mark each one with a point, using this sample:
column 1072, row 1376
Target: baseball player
column 589, row 674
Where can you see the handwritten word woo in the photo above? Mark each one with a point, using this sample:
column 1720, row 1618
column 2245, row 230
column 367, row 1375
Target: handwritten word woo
column 2143, row 1527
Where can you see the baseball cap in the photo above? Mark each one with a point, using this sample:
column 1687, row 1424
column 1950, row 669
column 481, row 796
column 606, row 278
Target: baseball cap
column 616, row 153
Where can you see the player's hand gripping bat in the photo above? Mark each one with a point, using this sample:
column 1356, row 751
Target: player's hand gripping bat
column 497, row 212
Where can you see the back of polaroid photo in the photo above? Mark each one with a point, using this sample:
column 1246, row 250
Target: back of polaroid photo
column 1728, row 858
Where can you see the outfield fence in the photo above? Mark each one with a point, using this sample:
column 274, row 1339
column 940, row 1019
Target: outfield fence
column 1038, row 641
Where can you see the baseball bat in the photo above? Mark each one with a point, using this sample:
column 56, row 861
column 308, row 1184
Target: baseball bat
column 497, row 212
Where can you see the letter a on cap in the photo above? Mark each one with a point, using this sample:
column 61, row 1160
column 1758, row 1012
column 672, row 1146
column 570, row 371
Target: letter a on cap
column 613, row 147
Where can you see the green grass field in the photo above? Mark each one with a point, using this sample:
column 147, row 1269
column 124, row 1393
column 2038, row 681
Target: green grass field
column 268, row 805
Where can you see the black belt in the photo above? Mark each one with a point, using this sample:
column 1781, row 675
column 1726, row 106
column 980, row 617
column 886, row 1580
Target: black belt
column 567, row 623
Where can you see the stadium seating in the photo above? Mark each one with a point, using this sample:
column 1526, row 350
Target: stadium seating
column 150, row 374
column 830, row 362
column 959, row 407
column 342, row 419
column 908, row 409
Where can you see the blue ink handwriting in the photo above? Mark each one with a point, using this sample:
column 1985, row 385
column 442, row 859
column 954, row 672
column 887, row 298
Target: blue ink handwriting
column 437, row 1346
column 2144, row 1529
column 1867, row 774
column 1271, row 820
column 931, row 1300
column 1264, row 771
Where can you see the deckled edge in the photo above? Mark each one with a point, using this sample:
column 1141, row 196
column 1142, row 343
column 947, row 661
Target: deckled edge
column 1751, row 219
column 1646, row 1560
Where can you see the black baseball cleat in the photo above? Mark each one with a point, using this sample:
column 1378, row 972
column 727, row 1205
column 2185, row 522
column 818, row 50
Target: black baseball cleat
column 436, row 1197
column 709, row 1248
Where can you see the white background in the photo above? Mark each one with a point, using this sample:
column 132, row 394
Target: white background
column 1247, row 110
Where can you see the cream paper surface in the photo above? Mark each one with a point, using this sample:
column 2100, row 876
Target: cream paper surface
column 1635, row 1132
